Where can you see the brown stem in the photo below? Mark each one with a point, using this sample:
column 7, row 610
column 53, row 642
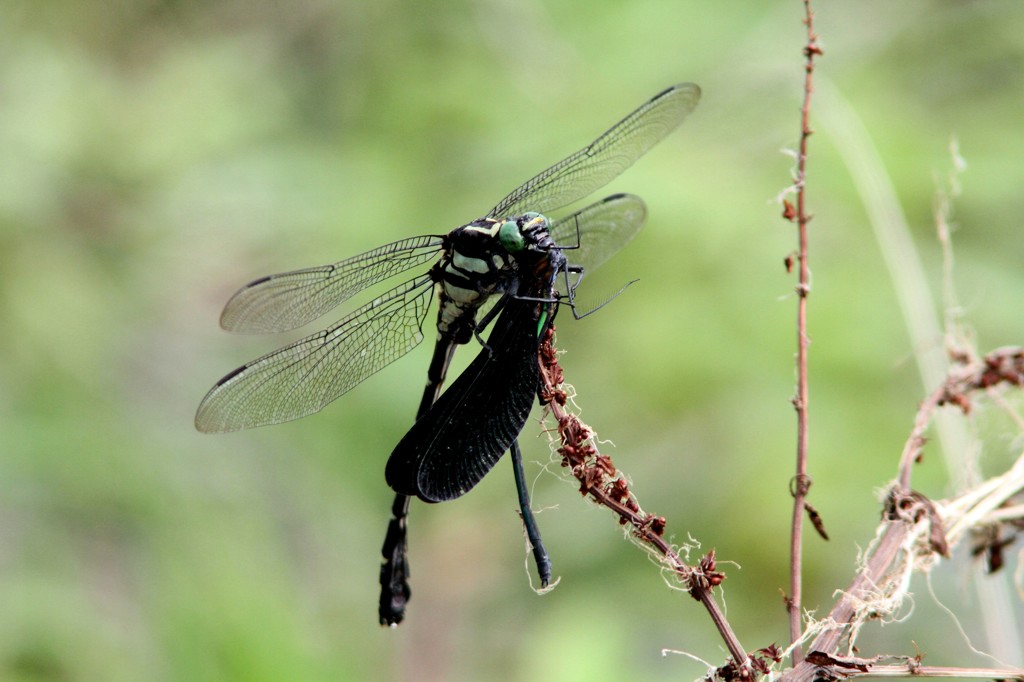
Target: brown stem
column 905, row 510
column 1002, row 365
column 605, row 485
column 802, row 399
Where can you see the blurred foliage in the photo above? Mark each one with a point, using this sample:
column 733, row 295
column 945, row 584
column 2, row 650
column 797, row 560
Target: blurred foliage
column 156, row 154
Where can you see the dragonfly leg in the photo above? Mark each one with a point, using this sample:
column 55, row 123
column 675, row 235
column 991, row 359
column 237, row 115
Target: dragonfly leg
column 488, row 317
column 570, row 287
column 394, row 570
column 540, row 555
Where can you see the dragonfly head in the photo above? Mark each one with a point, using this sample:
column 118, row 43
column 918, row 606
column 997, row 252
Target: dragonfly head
column 524, row 233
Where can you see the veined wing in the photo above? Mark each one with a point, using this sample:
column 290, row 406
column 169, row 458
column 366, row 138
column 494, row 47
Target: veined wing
column 599, row 162
column 289, row 300
column 303, row 377
column 464, row 434
column 604, row 227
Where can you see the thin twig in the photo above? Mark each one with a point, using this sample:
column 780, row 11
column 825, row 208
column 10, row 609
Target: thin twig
column 1003, row 365
column 941, row 671
column 801, row 481
column 608, row 487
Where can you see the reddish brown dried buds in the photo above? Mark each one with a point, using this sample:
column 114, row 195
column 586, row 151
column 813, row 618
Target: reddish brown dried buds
column 656, row 524
column 604, row 463
column 618, row 490
column 707, row 567
column 771, row 652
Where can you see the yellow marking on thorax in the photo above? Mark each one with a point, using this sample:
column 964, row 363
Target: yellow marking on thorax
column 491, row 231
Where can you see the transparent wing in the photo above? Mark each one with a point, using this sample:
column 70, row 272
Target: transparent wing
column 598, row 163
column 291, row 299
column 302, row 378
column 604, row 227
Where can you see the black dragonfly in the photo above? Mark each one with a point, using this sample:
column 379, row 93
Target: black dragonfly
column 513, row 254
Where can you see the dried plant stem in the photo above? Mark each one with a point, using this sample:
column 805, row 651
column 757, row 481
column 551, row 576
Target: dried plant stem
column 915, row 532
column 801, row 481
column 605, row 485
column 1003, row 365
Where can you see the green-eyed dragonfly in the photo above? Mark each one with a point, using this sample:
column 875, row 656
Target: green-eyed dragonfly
column 514, row 254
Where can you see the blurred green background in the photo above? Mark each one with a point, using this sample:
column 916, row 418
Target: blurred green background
column 155, row 155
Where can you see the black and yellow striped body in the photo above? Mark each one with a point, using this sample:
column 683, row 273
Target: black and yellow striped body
column 479, row 263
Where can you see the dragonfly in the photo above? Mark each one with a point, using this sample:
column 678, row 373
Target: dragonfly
column 511, row 258
column 469, row 427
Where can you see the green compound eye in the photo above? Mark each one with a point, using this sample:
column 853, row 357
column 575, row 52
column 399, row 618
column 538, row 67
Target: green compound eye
column 510, row 237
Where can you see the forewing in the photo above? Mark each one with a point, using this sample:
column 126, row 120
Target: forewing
column 598, row 163
column 291, row 299
column 302, row 378
column 474, row 422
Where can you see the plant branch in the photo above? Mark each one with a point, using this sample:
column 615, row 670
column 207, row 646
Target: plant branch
column 801, row 481
column 916, row 530
column 608, row 487
column 1003, row 365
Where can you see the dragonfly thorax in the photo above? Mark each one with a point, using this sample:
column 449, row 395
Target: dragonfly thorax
column 483, row 258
